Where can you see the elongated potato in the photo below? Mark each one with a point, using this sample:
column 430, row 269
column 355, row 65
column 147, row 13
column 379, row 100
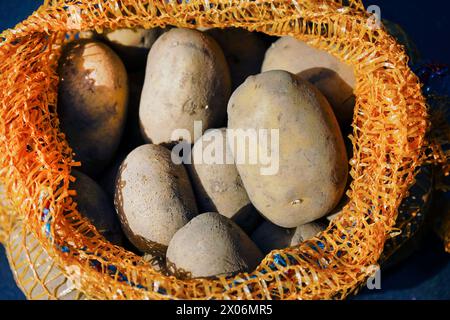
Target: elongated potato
column 312, row 160
column 153, row 198
column 211, row 245
column 332, row 77
column 187, row 80
column 92, row 101
column 217, row 183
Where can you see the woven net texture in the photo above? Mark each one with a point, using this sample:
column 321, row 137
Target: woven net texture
column 389, row 142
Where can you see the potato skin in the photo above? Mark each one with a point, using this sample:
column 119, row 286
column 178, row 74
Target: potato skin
column 218, row 187
column 187, row 80
column 333, row 78
column 313, row 164
column 92, row 102
column 244, row 51
column 153, row 198
column 94, row 204
column 211, row 245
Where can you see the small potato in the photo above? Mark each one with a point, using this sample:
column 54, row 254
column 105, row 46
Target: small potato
column 244, row 51
column 94, row 204
column 332, row 77
column 269, row 236
column 187, row 80
column 313, row 168
column 92, row 102
column 218, row 186
column 133, row 45
column 153, row 198
column 211, row 245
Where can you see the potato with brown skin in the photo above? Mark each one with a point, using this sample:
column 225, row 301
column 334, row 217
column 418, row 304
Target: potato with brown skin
column 153, row 197
column 92, row 102
column 269, row 236
column 187, row 80
column 313, row 165
column 334, row 78
column 211, row 245
column 94, row 204
column 244, row 51
column 218, row 186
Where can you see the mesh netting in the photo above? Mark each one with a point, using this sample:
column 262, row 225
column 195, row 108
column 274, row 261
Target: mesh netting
column 389, row 128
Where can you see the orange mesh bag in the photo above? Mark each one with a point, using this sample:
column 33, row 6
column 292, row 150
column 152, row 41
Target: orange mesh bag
column 389, row 142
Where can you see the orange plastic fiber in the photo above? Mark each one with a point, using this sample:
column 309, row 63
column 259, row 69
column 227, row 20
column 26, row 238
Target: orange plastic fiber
column 389, row 129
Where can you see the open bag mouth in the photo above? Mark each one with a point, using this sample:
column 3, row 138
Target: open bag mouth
column 389, row 141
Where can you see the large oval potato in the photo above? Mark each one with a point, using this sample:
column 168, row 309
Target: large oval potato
column 217, row 183
column 269, row 236
column 153, row 197
column 244, row 51
column 312, row 160
column 187, row 80
column 94, row 204
column 335, row 79
column 92, row 101
column 211, row 245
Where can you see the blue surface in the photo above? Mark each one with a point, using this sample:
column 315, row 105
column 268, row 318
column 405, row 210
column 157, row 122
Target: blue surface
column 8, row 288
column 425, row 275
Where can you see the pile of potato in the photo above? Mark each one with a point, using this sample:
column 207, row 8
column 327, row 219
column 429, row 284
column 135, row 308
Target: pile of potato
column 204, row 219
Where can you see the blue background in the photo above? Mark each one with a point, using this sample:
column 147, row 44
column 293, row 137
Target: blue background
column 426, row 274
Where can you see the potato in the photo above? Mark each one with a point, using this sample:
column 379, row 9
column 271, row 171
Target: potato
column 94, row 204
column 92, row 101
column 312, row 160
column 133, row 45
column 153, row 197
column 269, row 236
column 187, row 80
column 211, row 245
column 333, row 78
column 244, row 51
column 218, row 186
